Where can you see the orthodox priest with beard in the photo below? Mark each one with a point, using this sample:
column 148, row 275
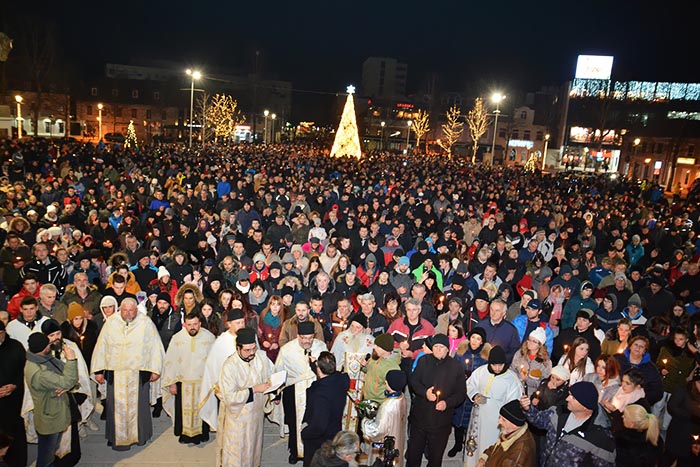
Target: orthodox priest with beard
column 182, row 377
column 128, row 356
column 244, row 378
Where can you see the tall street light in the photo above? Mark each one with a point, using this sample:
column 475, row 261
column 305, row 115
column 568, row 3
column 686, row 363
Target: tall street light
column 272, row 131
column 99, row 122
column 381, row 144
column 408, row 133
column 194, row 75
column 266, row 113
column 544, row 154
column 496, row 98
column 19, row 99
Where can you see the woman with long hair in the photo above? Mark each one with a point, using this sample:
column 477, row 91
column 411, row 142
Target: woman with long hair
column 270, row 326
column 211, row 320
column 630, row 392
column 532, row 363
column 577, row 360
column 638, row 443
column 606, row 377
column 392, row 307
column 341, row 267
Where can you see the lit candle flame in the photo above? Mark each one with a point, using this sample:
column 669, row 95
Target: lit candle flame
column 696, row 438
column 665, row 360
column 437, row 396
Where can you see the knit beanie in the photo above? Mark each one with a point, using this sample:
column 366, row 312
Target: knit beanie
column 75, row 310
column 37, row 342
column 513, row 413
column 585, row 393
column 384, row 342
column 396, row 379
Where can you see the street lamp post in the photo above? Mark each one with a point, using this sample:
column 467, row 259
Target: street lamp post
column 266, row 113
column 99, row 122
column 381, row 144
column 496, row 99
column 408, row 134
column 544, row 154
column 194, row 75
column 272, row 130
column 18, row 99
column 636, row 146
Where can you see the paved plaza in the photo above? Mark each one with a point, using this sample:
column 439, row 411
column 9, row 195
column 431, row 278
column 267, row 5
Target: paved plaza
column 165, row 450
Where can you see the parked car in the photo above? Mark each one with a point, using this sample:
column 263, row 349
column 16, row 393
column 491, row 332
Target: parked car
column 114, row 138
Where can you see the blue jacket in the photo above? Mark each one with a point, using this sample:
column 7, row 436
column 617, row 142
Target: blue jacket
column 573, row 305
column 597, row 273
column 635, row 253
column 503, row 334
column 520, row 323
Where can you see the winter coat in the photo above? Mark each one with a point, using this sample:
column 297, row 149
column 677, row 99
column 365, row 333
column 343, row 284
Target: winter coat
column 684, row 407
column 567, row 336
column 503, row 334
column 399, row 280
column 518, row 450
column 573, row 305
column 168, row 324
column 633, row 449
column 90, row 303
column 324, row 410
column 521, row 324
column 653, row 384
column 679, row 363
column 470, row 361
column 446, row 376
column 51, row 412
column 588, row 445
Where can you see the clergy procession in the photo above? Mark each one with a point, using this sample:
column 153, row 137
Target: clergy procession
column 389, row 313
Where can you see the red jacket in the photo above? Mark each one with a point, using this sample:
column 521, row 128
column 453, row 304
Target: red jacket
column 13, row 306
column 399, row 331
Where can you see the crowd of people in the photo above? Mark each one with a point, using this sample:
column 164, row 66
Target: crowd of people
column 373, row 309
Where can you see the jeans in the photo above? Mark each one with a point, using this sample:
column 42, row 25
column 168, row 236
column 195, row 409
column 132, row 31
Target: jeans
column 46, row 449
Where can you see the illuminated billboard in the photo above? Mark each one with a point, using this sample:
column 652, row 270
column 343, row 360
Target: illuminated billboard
column 594, row 66
column 579, row 134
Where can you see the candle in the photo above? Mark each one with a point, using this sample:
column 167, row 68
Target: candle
column 696, row 438
column 537, row 393
column 437, row 394
column 664, row 361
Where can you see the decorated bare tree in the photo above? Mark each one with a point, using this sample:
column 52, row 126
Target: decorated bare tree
column 451, row 130
column 421, row 125
column 477, row 120
column 223, row 116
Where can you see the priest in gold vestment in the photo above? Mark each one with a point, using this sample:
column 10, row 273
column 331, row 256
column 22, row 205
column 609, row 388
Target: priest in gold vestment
column 128, row 356
column 182, row 378
column 244, row 378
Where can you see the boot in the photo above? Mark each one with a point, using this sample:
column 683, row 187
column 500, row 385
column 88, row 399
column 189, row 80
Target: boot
column 459, row 442
column 158, row 408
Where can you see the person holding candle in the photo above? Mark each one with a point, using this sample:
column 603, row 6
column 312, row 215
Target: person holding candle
column 270, row 326
column 490, row 387
column 616, row 340
column 629, row 392
column 472, row 354
column 438, row 385
column 606, row 377
column 577, row 361
column 532, row 362
column 675, row 362
column 583, row 327
column 683, row 440
column 82, row 331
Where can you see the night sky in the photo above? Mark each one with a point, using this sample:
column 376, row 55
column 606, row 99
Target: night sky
column 321, row 45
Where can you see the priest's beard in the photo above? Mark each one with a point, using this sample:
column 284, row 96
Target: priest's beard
column 354, row 342
column 56, row 348
column 248, row 359
column 193, row 332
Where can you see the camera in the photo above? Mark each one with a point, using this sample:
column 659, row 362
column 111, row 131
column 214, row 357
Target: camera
column 389, row 453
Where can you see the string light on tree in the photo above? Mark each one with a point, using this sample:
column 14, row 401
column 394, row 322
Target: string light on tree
column 131, row 141
column 451, row 130
column 347, row 138
column 421, row 125
column 477, row 120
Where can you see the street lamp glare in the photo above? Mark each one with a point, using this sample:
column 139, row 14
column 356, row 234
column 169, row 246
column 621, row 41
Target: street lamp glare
column 100, row 106
column 196, row 75
column 273, row 116
column 188, row 71
column 497, row 97
column 18, row 98
column 410, row 122
column 637, row 141
column 546, row 136
column 383, row 123
column 266, row 113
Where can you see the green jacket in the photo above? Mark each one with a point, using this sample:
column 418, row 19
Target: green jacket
column 375, row 380
column 51, row 413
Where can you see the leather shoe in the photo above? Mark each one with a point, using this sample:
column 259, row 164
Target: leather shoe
column 293, row 459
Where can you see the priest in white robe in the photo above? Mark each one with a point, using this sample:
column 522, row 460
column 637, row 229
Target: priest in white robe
column 354, row 340
column 490, row 386
column 128, row 356
column 224, row 346
column 244, row 379
column 182, row 378
column 295, row 358
column 390, row 419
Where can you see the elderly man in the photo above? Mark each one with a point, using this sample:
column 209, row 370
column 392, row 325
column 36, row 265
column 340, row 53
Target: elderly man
column 182, row 377
column 499, row 331
column 341, row 318
column 49, row 307
column 84, row 293
column 223, row 347
column 245, row 377
column 516, row 445
column 128, row 356
column 376, row 322
column 295, row 358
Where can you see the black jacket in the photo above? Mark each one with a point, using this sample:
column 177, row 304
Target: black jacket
column 446, row 376
column 684, row 407
column 633, row 449
column 325, row 402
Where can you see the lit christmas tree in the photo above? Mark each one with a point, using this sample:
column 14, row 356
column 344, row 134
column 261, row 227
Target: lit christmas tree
column 530, row 164
column 130, row 141
column 347, row 138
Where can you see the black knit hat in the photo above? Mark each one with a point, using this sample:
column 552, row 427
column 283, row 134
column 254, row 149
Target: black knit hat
column 358, row 318
column 396, row 379
column 50, row 326
column 497, row 355
column 37, row 342
column 513, row 413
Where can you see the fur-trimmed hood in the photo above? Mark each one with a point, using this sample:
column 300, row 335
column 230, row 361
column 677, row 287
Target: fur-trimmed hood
column 185, row 288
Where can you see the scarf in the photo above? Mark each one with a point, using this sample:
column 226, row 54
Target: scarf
column 51, row 363
column 621, row 399
column 271, row 320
